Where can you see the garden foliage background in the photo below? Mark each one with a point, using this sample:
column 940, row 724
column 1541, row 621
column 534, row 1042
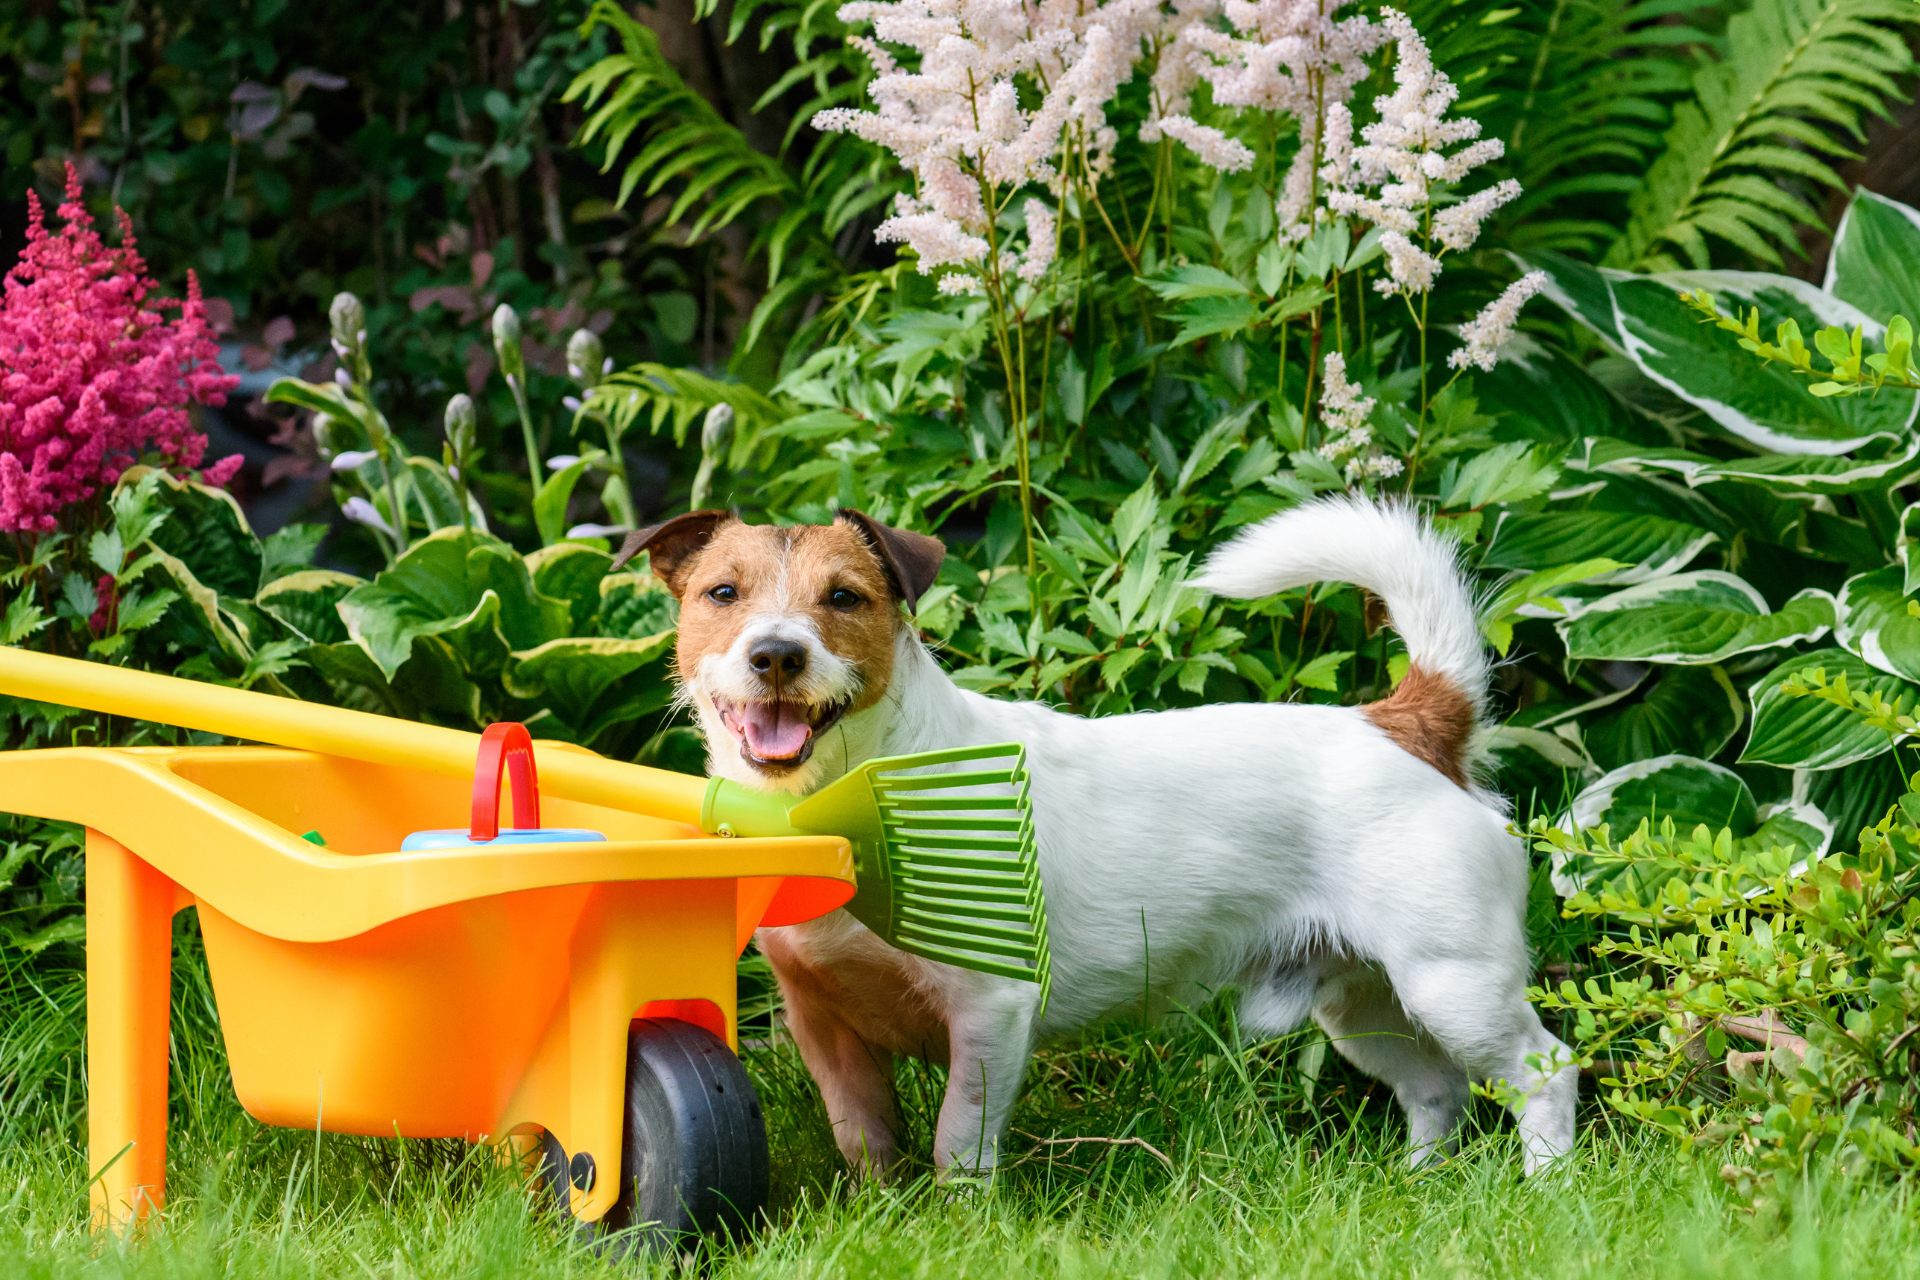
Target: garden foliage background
column 602, row 263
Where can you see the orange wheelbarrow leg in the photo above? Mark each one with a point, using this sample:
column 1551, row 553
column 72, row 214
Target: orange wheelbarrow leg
column 130, row 910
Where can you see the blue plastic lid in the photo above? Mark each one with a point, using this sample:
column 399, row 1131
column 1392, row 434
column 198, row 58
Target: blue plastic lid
column 458, row 837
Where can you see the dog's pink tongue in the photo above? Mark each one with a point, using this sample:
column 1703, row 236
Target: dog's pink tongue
column 775, row 730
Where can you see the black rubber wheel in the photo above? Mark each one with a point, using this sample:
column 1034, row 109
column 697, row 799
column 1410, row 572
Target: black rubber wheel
column 693, row 1157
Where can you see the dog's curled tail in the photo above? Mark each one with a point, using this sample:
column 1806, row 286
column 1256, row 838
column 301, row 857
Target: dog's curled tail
column 1389, row 550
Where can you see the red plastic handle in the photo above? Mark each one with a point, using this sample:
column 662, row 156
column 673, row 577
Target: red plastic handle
column 506, row 745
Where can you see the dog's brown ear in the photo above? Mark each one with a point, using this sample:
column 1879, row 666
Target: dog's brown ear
column 912, row 560
column 671, row 543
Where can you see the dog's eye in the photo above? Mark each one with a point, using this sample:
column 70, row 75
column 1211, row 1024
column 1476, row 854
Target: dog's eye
column 723, row 594
column 841, row 598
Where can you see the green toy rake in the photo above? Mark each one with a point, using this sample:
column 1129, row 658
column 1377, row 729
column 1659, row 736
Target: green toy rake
column 944, row 860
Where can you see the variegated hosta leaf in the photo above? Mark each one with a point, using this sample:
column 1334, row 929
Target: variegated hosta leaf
column 1871, row 618
column 1908, row 535
column 1875, row 264
column 1694, row 710
column 1692, row 618
column 1782, row 474
column 1651, row 547
column 1764, row 404
column 1812, row 733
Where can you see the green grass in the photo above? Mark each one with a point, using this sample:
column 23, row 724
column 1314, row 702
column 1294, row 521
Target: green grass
column 1273, row 1174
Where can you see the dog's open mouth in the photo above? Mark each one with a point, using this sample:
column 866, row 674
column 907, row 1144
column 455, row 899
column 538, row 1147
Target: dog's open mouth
column 778, row 734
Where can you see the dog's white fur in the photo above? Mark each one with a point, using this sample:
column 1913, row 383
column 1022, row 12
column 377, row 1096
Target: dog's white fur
column 1291, row 850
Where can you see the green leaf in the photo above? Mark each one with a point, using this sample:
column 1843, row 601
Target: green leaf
column 1692, row 618
column 77, row 594
column 550, row 500
column 1511, row 472
column 307, row 602
column 204, row 530
column 23, row 618
column 1648, row 546
column 634, row 606
column 139, row 610
column 1323, row 672
column 1210, row 315
column 573, row 677
column 1135, row 516
column 289, row 549
column 1871, row 618
column 210, row 625
column 469, row 587
column 1186, row 282
column 1875, row 263
column 1214, row 444
column 1811, row 733
column 1764, row 404
column 1691, row 711
column 571, row 571
column 1688, row 790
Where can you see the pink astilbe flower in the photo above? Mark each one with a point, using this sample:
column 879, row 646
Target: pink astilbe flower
column 957, row 121
column 1289, row 56
column 92, row 376
column 1487, row 332
column 1404, row 155
column 1349, row 438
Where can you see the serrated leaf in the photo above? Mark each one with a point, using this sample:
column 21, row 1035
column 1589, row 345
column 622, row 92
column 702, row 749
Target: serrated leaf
column 1323, row 672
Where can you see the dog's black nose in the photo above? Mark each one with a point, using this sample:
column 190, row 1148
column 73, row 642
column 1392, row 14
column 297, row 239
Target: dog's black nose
column 784, row 658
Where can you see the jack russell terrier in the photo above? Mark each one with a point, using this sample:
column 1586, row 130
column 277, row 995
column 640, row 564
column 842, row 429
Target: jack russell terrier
column 1337, row 862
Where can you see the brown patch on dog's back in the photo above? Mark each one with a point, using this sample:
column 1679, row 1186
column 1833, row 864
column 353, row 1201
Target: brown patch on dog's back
column 1430, row 718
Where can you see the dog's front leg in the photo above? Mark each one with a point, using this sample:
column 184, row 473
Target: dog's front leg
column 854, row 1074
column 990, row 1039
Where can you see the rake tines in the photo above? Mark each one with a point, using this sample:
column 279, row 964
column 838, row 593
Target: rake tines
column 965, row 878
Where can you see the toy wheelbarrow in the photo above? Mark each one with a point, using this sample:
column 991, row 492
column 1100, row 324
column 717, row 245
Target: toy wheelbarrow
column 569, row 988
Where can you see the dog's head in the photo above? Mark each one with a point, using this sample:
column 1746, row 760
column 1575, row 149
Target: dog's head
column 784, row 631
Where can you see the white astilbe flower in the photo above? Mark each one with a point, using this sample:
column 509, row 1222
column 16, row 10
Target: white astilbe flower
column 1215, row 149
column 1177, row 71
column 1040, row 233
column 1409, row 268
column 958, row 119
column 1487, row 332
column 1404, row 155
column 1349, row 439
column 937, row 240
column 1289, row 56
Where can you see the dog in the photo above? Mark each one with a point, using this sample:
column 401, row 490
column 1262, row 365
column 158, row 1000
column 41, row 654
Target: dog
column 1333, row 862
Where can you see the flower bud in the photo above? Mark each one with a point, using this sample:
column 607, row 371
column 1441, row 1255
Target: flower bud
column 349, row 317
column 506, row 342
column 461, row 429
column 585, row 357
column 717, row 430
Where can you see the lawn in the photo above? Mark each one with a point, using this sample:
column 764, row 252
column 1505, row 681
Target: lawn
column 1275, row 1170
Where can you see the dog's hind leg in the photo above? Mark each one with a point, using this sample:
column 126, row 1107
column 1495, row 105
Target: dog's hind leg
column 989, row 1044
column 1357, row 1008
column 1476, row 1010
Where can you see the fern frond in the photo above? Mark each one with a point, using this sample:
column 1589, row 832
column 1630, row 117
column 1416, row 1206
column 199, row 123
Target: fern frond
column 667, row 397
column 638, row 91
column 1582, row 110
column 1795, row 72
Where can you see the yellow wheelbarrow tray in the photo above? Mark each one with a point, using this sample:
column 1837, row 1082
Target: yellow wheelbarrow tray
column 482, row 992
